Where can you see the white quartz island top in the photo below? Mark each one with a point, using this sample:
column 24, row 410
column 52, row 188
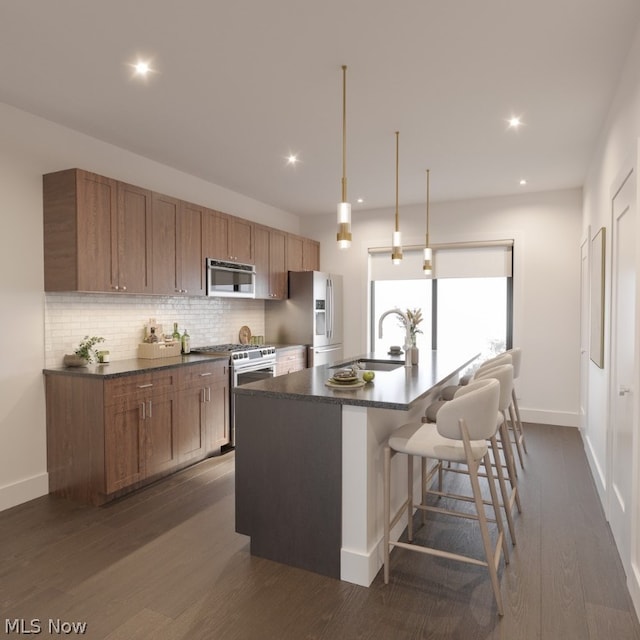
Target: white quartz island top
column 398, row 389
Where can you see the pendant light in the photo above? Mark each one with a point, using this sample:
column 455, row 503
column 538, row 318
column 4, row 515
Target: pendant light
column 396, row 243
column 344, row 208
column 427, row 264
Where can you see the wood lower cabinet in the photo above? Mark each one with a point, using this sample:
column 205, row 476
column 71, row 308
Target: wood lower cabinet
column 203, row 425
column 291, row 359
column 106, row 437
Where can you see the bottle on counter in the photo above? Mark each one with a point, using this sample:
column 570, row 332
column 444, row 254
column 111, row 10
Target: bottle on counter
column 186, row 342
column 176, row 333
column 152, row 336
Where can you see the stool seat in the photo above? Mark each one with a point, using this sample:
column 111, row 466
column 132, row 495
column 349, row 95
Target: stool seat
column 425, row 441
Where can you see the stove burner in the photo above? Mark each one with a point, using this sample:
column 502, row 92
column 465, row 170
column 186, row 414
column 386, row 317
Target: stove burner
column 238, row 351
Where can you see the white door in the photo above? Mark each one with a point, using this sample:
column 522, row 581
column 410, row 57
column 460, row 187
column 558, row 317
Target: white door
column 623, row 292
column 584, row 332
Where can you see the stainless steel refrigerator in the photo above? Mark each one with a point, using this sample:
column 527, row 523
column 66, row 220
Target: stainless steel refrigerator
column 312, row 315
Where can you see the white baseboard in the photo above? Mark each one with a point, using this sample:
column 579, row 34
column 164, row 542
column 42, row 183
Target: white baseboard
column 23, row 491
column 558, row 418
column 597, row 473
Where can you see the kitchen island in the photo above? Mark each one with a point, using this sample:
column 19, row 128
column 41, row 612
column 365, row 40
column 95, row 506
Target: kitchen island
column 309, row 461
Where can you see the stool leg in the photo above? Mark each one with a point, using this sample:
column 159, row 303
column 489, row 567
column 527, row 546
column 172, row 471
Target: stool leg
column 495, row 503
column 516, row 434
column 508, row 457
column 484, row 530
column 410, row 498
column 387, row 510
column 503, row 489
column 518, row 419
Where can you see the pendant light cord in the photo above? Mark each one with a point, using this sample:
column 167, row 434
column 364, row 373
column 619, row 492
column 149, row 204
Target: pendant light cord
column 397, row 162
column 344, row 133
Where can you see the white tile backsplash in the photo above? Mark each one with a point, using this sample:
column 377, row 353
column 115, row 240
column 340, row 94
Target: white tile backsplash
column 120, row 320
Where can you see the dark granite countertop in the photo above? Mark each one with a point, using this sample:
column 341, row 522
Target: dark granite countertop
column 397, row 389
column 133, row 366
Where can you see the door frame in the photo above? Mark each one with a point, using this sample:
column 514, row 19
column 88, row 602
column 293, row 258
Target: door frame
column 631, row 561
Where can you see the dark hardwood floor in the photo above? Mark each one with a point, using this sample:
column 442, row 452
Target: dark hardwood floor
column 165, row 563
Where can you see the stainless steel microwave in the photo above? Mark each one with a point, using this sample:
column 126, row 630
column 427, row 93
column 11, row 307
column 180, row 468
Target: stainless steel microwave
column 230, row 279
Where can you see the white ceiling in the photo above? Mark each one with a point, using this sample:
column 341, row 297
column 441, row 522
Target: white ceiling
column 240, row 84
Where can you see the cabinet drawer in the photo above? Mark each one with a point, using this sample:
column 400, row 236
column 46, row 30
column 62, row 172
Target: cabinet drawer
column 140, row 385
column 196, row 374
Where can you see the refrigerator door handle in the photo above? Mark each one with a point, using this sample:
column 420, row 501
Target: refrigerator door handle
column 329, row 298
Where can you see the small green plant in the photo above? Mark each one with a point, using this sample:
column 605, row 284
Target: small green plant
column 86, row 349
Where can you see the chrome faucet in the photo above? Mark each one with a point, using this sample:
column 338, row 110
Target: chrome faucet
column 407, row 340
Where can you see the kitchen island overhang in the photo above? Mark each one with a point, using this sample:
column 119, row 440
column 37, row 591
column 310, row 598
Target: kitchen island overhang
column 309, row 462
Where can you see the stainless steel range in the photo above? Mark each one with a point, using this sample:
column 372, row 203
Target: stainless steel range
column 247, row 363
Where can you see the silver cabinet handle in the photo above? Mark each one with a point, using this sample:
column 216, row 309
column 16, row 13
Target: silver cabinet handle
column 202, row 375
column 145, row 386
column 622, row 391
column 144, row 412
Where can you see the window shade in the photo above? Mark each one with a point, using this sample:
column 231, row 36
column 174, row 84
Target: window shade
column 463, row 260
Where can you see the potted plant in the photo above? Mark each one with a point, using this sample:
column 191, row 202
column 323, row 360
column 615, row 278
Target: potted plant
column 84, row 354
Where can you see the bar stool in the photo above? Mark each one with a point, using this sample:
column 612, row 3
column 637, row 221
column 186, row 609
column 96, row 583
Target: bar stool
column 516, row 356
column 448, row 392
column 459, row 435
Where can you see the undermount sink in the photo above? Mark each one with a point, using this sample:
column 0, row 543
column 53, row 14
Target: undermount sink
column 375, row 365
column 381, row 365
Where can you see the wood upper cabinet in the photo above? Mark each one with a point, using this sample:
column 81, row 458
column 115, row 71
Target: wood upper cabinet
column 97, row 234
column 241, row 240
column 310, row 255
column 132, row 264
column 226, row 237
column 190, row 257
column 80, row 236
column 103, row 235
column 165, row 217
column 178, row 264
column 269, row 256
column 303, row 254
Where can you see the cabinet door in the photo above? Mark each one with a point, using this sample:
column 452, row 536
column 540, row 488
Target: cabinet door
column 160, row 422
column 310, row 255
column 294, row 253
column 134, row 240
column 191, row 441
column 261, row 260
column 189, row 260
column 96, row 236
column 215, row 235
column 218, row 408
column 240, row 240
column 165, row 214
column 277, row 273
column 124, row 444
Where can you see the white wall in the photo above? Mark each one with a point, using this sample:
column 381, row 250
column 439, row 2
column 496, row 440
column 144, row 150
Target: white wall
column 616, row 152
column 546, row 231
column 30, row 147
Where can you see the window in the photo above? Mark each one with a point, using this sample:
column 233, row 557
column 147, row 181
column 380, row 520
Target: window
column 467, row 305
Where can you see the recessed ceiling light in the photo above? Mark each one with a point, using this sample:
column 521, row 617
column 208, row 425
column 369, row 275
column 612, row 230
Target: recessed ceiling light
column 292, row 159
column 142, row 69
column 523, row 182
column 360, row 200
column 515, row 122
